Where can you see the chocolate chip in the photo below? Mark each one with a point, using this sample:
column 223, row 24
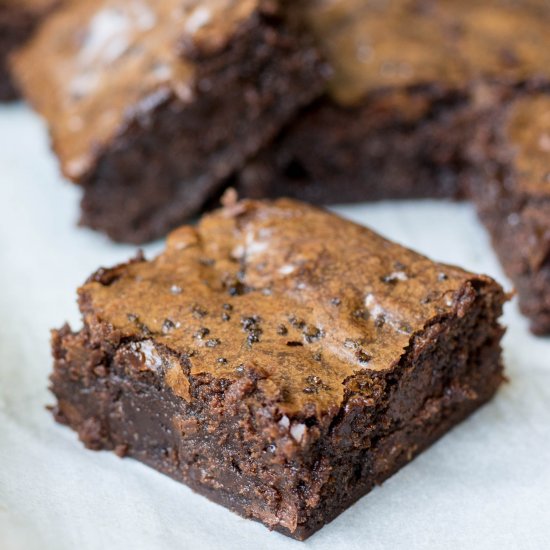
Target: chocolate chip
column 222, row 360
column 296, row 323
column 226, row 316
column 294, row 344
column 282, row 330
column 312, row 334
column 363, row 356
column 212, row 343
column 380, row 321
column 442, row 276
column 336, row 301
column 227, row 307
column 362, row 314
column 198, row 312
column 202, row 332
column 168, row 325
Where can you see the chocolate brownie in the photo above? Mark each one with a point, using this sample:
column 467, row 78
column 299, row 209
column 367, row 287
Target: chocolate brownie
column 411, row 78
column 513, row 198
column 278, row 359
column 18, row 19
column 152, row 105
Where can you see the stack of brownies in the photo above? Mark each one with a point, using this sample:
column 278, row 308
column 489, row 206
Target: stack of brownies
column 275, row 358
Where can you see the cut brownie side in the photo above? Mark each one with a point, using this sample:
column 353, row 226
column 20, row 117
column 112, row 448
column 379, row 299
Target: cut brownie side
column 151, row 106
column 513, row 198
column 400, row 145
column 410, row 81
column 278, row 359
column 18, row 19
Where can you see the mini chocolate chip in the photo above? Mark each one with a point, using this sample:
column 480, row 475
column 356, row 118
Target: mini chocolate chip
column 132, row 317
column 363, row 356
column 202, row 332
column 222, row 360
column 380, row 321
column 362, row 314
column 250, row 322
column 336, row 301
column 282, row 330
column 442, row 276
column 388, row 279
column 294, row 344
column 235, row 287
column 168, row 325
column 198, row 312
column 296, row 323
column 227, row 307
column 254, row 336
column 240, row 368
column 312, row 334
column 212, row 343
column 314, row 384
column 226, row 316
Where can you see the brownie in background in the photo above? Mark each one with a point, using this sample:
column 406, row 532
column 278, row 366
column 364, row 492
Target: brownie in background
column 18, row 20
column 152, row 105
column 411, row 80
column 512, row 193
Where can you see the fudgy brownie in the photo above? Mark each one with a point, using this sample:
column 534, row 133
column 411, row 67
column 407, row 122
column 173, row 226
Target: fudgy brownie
column 513, row 198
column 278, row 359
column 152, row 105
column 411, row 77
column 18, row 19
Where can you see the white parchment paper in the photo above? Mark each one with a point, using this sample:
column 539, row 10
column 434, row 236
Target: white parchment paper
column 484, row 485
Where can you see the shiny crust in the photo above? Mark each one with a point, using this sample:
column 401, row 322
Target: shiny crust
column 278, row 359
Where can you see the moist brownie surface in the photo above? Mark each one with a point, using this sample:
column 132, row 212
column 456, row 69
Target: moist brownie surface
column 278, row 359
column 152, row 104
column 513, row 198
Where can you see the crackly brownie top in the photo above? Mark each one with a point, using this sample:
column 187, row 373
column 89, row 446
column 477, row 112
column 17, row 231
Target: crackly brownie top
column 97, row 64
column 386, row 43
column 527, row 131
column 299, row 296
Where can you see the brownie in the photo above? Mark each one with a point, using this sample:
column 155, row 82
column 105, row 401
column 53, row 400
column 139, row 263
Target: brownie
column 411, row 78
column 18, row 20
column 278, row 359
column 512, row 194
column 152, row 105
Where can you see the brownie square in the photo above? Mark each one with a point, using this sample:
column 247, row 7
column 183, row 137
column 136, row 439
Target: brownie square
column 512, row 194
column 278, row 359
column 152, row 105
column 18, row 20
column 411, row 79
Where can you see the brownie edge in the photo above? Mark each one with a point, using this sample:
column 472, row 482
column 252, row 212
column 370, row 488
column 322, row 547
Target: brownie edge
column 251, row 363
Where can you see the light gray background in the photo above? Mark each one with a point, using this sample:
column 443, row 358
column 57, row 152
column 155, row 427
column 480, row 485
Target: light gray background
column 484, row 485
